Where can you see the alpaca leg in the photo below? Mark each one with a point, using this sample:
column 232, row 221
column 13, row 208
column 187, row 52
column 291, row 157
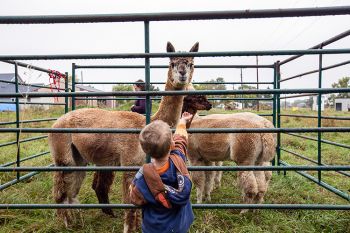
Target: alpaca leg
column 101, row 184
column 131, row 217
column 263, row 178
column 268, row 174
column 198, row 178
column 262, row 188
column 66, row 184
column 65, row 191
column 209, row 182
column 218, row 175
column 247, row 183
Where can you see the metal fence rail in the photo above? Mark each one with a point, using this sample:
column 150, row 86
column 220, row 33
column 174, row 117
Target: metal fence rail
column 28, row 121
column 315, row 117
column 190, row 168
column 167, row 55
column 197, row 130
column 168, row 93
column 311, row 160
column 20, row 141
column 26, row 158
column 174, row 16
column 324, row 141
column 166, row 67
column 194, row 206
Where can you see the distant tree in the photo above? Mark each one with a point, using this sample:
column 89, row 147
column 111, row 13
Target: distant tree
column 342, row 83
column 269, row 95
column 128, row 87
column 211, row 86
column 122, row 87
column 249, row 103
column 309, row 102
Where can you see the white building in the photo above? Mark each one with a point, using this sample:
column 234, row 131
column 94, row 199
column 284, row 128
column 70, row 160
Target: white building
column 238, row 105
column 315, row 105
column 342, row 104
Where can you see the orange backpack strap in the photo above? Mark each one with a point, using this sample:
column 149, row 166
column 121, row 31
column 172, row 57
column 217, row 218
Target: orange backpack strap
column 180, row 165
column 155, row 185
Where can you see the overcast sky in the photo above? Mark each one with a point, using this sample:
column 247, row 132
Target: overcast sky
column 215, row 35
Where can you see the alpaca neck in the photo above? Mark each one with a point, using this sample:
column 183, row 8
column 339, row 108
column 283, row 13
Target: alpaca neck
column 169, row 108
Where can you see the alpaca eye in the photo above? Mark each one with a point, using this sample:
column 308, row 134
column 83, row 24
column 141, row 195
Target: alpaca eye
column 172, row 65
column 190, row 65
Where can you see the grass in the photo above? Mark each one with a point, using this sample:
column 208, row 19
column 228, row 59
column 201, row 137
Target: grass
column 291, row 189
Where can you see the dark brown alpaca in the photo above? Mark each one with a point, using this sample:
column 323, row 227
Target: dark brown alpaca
column 193, row 103
column 69, row 149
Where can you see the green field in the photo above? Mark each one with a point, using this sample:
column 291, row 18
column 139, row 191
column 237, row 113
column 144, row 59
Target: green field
column 289, row 189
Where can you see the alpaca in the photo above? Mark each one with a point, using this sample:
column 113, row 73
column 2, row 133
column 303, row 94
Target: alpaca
column 264, row 124
column 69, row 149
column 193, row 103
column 244, row 149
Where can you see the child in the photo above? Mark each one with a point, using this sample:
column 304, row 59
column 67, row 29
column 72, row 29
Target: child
column 163, row 187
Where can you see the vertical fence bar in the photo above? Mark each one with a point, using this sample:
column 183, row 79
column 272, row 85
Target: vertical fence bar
column 257, row 82
column 274, row 109
column 319, row 115
column 147, row 79
column 66, row 101
column 73, row 85
column 278, row 114
column 18, row 156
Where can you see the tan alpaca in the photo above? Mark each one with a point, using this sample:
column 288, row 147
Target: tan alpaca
column 244, row 149
column 264, row 124
column 111, row 149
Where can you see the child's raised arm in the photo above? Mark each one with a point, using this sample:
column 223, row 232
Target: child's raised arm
column 181, row 126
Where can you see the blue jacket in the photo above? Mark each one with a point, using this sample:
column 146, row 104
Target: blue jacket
column 156, row 217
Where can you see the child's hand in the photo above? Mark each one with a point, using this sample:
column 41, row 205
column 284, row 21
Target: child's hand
column 186, row 116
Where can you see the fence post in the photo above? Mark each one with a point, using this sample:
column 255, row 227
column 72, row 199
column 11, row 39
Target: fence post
column 73, row 86
column 274, row 110
column 319, row 116
column 147, row 80
column 66, row 101
column 278, row 112
column 18, row 156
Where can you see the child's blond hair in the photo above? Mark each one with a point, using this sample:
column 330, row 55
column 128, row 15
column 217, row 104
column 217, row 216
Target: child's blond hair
column 155, row 139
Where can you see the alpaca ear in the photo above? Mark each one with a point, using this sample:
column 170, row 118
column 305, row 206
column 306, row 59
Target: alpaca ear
column 170, row 48
column 195, row 47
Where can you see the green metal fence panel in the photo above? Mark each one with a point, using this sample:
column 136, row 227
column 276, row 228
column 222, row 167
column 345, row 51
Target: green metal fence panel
column 319, row 119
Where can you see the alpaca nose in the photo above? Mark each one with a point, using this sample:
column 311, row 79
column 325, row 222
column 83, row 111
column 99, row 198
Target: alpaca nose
column 182, row 72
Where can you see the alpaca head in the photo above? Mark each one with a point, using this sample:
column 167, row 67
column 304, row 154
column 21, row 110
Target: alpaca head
column 192, row 103
column 180, row 68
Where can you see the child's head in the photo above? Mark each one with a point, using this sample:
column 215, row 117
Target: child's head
column 156, row 139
